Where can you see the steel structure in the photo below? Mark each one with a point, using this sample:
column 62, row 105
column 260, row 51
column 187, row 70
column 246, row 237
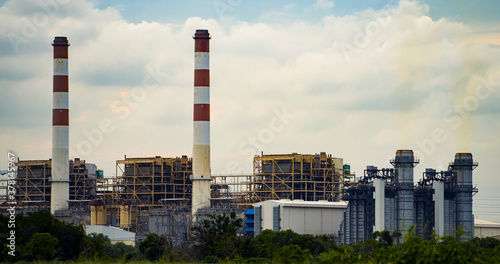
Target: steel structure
column 360, row 218
column 149, row 182
column 463, row 190
column 297, row 176
column 441, row 201
column 404, row 163
column 161, row 185
column 34, row 187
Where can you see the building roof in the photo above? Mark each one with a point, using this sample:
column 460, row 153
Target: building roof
column 308, row 204
column 114, row 233
column 484, row 223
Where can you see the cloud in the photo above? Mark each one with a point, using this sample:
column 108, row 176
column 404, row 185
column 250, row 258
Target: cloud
column 272, row 14
column 359, row 86
column 325, row 4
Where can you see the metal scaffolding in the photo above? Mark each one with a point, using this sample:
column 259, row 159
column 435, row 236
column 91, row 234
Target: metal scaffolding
column 296, row 176
column 33, row 184
column 149, row 181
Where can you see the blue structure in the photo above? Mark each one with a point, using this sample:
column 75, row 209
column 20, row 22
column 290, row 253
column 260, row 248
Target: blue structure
column 249, row 222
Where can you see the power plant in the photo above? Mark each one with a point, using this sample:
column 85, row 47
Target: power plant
column 168, row 195
column 386, row 199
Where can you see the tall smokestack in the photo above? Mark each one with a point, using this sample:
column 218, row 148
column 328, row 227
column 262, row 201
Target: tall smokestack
column 60, row 127
column 201, row 126
column 463, row 167
column 403, row 164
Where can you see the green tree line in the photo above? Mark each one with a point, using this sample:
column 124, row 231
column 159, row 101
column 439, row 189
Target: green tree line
column 41, row 237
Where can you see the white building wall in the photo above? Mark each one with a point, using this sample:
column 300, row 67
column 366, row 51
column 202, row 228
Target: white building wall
column 483, row 228
column 313, row 218
column 115, row 234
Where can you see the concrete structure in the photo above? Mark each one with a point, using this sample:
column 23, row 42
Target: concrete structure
column 441, row 200
column 302, row 217
column 201, row 122
column 379, row 196
column 60, row 127
column 115, row 234
column 483, row 228
column 438, row 186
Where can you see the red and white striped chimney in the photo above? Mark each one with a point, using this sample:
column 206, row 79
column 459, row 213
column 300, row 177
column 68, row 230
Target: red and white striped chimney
column 201, row 126
column 60, row 127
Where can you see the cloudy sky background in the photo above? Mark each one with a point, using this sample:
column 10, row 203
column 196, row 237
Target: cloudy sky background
column 356, row 80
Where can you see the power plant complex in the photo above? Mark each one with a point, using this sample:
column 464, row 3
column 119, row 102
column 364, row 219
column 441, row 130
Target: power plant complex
column 386, row 199
column 168, row 195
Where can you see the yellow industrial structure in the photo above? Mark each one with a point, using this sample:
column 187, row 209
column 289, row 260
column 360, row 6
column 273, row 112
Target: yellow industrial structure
column 297, row 176
column 33, row 183
column 153, row 194
column 152, row 182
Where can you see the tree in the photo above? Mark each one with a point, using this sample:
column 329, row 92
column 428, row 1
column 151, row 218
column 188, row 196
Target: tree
column 217, row 236
column 386, row 239
column 42, row 246
column 93, row 247
column 70, row 236
column 118, row 250
column 292, row 254
column 154, row 247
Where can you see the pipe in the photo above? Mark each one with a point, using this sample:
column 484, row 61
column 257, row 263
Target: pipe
column 438, row 187
column 379, row 197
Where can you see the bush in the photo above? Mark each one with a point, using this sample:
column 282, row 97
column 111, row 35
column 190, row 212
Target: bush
column 154, row 247
column 42, row 246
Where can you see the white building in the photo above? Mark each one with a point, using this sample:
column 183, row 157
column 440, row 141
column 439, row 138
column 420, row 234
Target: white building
column 483, row 228
column 315, row 218
column 115, row 234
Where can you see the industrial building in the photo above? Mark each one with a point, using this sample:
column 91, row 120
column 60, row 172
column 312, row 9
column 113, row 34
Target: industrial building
column 155, row 194
column 386, row 199
column 302, row 217
column 153, row 182
column 297, row 176
column 483, row 228
column 34, row 183
column 113, row 233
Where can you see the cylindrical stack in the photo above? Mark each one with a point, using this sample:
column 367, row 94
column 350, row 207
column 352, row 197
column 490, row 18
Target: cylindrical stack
column 403, row 164
column 438, row 197
column 462, row 167
column 201, row 127
column 379, row 196
column 60, row 127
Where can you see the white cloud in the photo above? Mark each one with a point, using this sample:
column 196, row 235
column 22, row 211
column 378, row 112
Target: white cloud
column 406, row 76
column 324, row 4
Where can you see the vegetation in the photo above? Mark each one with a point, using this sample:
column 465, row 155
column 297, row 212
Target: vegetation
column 42, row 246
column 40, row 237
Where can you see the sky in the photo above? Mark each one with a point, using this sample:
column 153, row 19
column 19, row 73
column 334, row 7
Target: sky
column 356, row 79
